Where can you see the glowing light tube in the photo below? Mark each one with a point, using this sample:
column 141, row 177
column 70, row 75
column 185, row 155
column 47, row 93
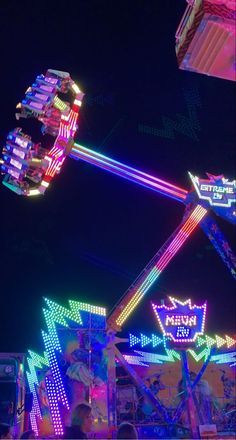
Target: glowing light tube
column 127, row 172
column 143, row 283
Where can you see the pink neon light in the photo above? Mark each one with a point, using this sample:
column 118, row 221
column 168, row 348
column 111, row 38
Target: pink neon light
column 187, row 228
column 141, row 179
column 124, row 170
column 182, row 235
column 67, row 128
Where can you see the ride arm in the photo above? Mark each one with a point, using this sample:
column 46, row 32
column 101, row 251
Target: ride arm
column 90, row 156
column 148, row 276
column 218, row 240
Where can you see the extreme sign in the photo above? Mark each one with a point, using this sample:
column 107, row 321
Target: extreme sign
column 217, row 190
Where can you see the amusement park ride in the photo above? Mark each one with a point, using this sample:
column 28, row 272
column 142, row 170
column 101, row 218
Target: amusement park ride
column 28, row 170
column 205, row 38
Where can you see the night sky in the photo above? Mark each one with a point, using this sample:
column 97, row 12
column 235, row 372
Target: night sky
column 92, row 233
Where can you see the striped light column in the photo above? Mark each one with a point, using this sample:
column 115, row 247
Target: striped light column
column 179, row 239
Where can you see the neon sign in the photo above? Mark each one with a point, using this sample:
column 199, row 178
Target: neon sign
column 182, row 322
column 181, row 319
column 217, row 190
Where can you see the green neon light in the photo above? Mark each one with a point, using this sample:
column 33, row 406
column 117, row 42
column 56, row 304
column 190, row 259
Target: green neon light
column 198, row 356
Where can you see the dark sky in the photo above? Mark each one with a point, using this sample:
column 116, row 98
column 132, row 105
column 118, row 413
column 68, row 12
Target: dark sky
column 92, row 232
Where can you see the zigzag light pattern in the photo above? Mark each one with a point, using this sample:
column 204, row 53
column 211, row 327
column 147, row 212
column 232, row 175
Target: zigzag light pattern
column 170, row 356
column 77, row 306
column 38, row 361
column 56, row 315
column 56, row 374
column 225, row 358
column 55, row 388
column 135, row 360
column 144, row 358
column 198, row 356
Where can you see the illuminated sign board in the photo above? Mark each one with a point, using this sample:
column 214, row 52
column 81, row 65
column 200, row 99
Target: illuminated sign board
column 217, row 190
column 182, row 322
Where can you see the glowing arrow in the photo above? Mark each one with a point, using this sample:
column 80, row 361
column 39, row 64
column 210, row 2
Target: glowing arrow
column 200, row 341
column 156, row 340
column 145, row 340
column 230, row 341
column 133, row 340
column 209, row 341
column 219, row 341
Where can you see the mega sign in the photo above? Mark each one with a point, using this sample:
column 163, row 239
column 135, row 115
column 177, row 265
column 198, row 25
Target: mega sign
column 182, row 321
column 217, row 190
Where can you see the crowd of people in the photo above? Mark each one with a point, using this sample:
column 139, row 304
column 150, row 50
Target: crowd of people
column 81, row 426
column 5, row 433
column 82, row 421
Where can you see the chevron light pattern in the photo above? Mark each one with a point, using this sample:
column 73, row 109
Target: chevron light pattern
column 200, row 341
column 208, row 341
column 55, row 315
column 156, row 340
column 202, row 355
column 144, row 340
column 133, row 340
column 218, row 341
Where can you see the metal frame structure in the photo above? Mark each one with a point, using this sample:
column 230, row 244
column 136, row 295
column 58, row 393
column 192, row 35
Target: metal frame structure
column 215, row 194
column 73, row 318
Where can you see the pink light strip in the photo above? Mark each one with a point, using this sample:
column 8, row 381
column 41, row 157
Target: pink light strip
column 188, row 227
column 118, row 168
column 67, row 129
column 182, row 235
